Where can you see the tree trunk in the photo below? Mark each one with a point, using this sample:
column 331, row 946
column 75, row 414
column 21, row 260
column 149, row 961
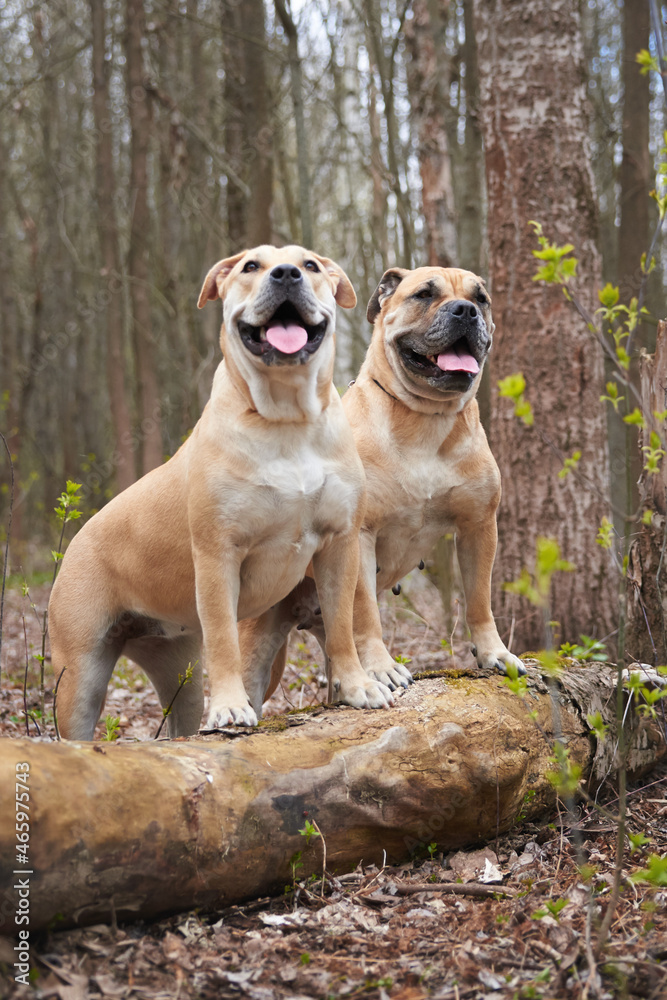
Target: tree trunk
column 428, row 83
column 538, row 167
column 635, row 173
column 647, row 572
column 108, row 234
column 378, row 219
column 385, row 70
column 249, row 127
column 142, row 830
column 259, row 124
column 302, row 157
column 137, row 264
column 471, row 211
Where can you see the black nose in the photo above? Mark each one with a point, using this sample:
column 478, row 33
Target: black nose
column 463, row 309
column 286, row 274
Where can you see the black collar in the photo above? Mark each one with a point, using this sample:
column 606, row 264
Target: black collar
column 385, row 391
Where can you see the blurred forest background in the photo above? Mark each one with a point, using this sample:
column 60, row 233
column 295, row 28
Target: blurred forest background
column 142, row 140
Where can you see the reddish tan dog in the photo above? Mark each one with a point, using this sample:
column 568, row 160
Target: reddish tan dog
column 428, row 467
column 268, row 481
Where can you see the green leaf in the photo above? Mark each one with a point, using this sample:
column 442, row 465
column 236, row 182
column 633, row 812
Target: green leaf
column 655, row 873
column 613, row 396
column 513, row 386
column 623, row 357
column 636, row 417
column 646, row 62
column 548, row 559
column 605, row 536
column 524, row 411
column 609, row 295
column 638, row 840
column 598, row 726
column 569, row 464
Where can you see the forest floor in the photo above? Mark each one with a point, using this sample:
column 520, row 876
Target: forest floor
column 397, row 933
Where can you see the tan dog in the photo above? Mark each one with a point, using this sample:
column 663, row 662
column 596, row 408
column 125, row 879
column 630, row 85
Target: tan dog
column 268, row 481
column 428, row 466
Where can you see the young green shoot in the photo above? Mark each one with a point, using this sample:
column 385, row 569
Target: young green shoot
column 182, row 681
column 111, row 728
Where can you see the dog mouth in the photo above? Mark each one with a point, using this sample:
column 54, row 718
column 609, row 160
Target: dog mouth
column 455, row 360
column 285, row 338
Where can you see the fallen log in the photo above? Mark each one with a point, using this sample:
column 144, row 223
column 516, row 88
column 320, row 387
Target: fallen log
column 120, row 831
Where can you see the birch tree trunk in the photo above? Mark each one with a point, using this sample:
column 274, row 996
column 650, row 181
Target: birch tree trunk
column 141, row 830
column 538, row 167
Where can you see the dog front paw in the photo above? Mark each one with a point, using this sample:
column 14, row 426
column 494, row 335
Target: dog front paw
column 393, row 675
column 499, row 659
column 363, row 694
column 221, row 715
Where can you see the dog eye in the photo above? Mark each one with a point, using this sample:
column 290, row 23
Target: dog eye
column 252, row 265
column 482, row 298
column 310, row 265
column 423, row 293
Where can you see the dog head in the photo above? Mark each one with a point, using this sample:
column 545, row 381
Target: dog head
column 436, row 328
column 278, row 304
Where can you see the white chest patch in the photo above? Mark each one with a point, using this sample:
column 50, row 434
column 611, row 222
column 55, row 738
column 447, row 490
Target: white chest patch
column 302, row 475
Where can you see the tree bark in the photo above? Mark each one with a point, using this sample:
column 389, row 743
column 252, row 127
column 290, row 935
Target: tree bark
column 302, row 157
column 428, row 83
column 384, row 66
column 647, row 571
column 635, row 173
column 249, row 126
column 141, row 830
column 137, row 264
column 538, row 167
column 108, row 234
column 471, row 203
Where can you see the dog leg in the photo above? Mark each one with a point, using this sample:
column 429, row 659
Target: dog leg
column 476, row 550
column 263, row 640
column 374, row 655
column 163, row 660
column 335, row 568
column 263, row 644
column 217, row 582
column 82, row 690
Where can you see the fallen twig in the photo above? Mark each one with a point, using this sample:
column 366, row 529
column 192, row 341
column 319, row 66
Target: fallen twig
column 457, row 888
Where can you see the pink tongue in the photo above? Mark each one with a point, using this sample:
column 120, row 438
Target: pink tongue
column 450, row 361
column 288, row 339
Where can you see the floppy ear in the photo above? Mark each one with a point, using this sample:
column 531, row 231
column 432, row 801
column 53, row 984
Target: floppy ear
column 344, row 293
column 388, row 284
column 211, row 288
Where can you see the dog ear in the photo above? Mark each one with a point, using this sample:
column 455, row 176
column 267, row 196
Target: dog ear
column 389, row 282
column 210, row 290
column 344, row 293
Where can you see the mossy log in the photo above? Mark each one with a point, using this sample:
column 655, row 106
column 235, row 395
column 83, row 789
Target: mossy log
column 140, row 830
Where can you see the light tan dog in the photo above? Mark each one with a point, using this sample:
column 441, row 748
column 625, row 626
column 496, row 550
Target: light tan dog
column 268, row 481
column 428, row 467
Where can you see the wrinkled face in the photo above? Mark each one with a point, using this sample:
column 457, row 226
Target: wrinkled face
column 437, row 328
column 278, row 304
